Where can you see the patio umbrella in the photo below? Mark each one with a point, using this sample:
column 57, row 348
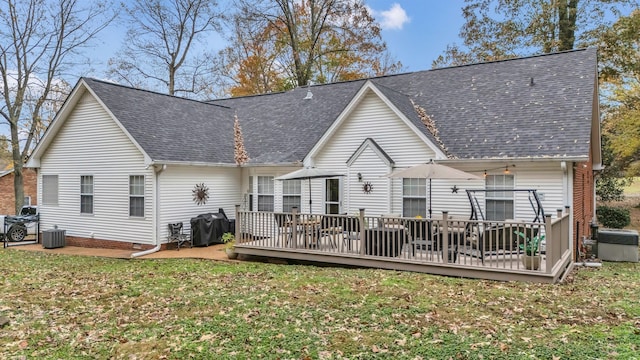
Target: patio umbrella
column 309, row 173
column 431, row 171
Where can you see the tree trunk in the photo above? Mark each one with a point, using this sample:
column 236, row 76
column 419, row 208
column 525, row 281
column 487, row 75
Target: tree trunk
column 18, row 184
column 567, row 13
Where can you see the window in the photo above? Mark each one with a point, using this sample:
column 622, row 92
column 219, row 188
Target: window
column 86, row 194
column 136, row 195
column 414, row 197
column 250, row 194
column 499, row 204
column 26, row 201
column 50, row 190
column 291, row 195
column 265, row 193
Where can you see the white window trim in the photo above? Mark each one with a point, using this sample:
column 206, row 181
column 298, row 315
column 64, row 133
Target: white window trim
column 259, row 194
column 46, row 195
column 415, row 197
column 144, row 210
column 298, row 194
column 87, row 194
column 490, row 196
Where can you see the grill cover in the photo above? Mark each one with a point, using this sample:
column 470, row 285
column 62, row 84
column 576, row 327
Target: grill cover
column 207, row 229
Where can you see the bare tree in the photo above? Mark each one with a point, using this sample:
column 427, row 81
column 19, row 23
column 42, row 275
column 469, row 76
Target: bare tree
column 39, row 40
column 159, row 50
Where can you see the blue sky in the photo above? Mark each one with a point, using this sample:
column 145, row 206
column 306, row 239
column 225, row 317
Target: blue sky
column 417, row 31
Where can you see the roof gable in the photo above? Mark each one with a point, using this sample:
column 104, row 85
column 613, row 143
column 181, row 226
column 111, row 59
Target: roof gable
column 369, row 143
column 61, row 117
column 366, row 88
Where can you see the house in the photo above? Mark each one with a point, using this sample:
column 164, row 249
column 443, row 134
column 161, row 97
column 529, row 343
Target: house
column 118, row 164
column 7, row 194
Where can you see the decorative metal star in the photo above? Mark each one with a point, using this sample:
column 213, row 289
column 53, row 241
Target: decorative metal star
column 454, row 189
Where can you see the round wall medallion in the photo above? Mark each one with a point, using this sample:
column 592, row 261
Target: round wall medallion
column 367, row 187
column 200, row 194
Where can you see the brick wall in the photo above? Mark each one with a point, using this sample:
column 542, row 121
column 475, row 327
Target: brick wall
column 7, row 197
column 583, row 200
column 105, row 244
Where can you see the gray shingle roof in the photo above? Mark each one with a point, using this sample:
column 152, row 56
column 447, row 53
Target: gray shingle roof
column 283, row 127
column 492, row 110
column 534, row 107
column 170, row 128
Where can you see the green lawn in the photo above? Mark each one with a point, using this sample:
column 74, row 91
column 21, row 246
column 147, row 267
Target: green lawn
column 81, row 307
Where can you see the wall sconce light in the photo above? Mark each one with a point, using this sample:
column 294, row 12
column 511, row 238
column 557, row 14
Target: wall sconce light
column 485, row 173
column 359, row 177
column 506, row 170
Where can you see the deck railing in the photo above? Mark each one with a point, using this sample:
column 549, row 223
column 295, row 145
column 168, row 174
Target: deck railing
column 445, row 241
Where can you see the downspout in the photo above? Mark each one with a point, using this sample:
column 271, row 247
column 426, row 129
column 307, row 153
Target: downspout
column 567, row 180
column 156, row 214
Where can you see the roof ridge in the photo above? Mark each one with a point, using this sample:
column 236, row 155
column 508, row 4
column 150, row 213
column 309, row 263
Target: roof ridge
column 510, row 59
column 409, row 73
column 204, row 102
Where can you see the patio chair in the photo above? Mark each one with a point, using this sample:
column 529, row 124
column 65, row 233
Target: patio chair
column 177, row 235
column 350, row 231
column 420, row 235
column 499, row 239
column 330, row 226
column 285, row 230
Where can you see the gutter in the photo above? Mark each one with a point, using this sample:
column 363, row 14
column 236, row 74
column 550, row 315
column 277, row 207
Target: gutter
column 156, row 215
column 228, row 165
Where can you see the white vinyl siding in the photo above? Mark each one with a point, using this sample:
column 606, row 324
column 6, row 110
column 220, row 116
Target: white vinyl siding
column 176, row 184
column 372, row 118
column 90, row 142
column 373, row 170
column 86, row 194
column 49, row 190
column 136, row 195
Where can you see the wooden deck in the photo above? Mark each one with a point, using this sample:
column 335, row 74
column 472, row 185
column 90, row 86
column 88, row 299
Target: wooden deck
column 399, row 244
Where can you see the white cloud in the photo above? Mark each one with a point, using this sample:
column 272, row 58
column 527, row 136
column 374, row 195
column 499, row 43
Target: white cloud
column 392, row 19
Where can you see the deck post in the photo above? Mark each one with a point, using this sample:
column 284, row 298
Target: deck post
column 549, row 256
column 362, row 230
column 237, row 229
column 445, row 236
column 566, row 245
column 294, row 224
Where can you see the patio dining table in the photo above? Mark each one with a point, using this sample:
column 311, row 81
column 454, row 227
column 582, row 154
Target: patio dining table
column 307, row 228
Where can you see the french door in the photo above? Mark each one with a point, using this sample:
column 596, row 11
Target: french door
column 332, row 197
